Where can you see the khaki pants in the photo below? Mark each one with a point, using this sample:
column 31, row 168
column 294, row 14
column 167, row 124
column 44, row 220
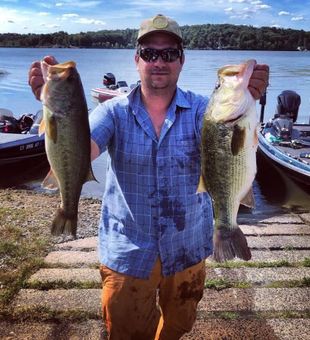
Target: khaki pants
column 129, row 305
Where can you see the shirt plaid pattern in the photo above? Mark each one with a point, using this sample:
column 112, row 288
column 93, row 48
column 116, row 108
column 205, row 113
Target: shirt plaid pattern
column 150, row 207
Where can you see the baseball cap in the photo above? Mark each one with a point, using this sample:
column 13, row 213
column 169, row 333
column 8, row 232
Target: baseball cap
column 160, row 23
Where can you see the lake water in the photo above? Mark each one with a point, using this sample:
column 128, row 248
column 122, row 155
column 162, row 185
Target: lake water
column 288, row 71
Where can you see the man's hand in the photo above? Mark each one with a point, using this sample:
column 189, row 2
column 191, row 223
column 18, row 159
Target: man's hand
column 259, row 81
column 35, row 77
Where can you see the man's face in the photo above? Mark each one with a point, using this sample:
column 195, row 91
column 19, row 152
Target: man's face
column 159, row 74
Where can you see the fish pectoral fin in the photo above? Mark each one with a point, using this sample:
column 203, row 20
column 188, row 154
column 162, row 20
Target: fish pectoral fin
column 51, row 128
column 42, row 127
column 248, row 200
column 50, row 182
column 201, row 185
column 90, row 176
column 237, row 140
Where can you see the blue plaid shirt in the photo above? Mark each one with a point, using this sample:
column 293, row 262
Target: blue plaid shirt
column 150, row 207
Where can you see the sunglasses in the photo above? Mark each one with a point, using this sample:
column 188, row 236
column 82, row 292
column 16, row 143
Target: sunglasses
column 168, row 55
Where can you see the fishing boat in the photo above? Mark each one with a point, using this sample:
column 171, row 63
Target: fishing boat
column 18, row 147
column 111, row 89
column 283, row 143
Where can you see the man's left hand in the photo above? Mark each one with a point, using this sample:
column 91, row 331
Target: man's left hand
column 259, row 80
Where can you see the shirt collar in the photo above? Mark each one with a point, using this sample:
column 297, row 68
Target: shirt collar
column 134, row 99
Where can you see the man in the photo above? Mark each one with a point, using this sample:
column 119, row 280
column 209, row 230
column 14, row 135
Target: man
column 155, row 231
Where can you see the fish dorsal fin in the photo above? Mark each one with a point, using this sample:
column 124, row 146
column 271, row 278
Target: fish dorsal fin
column 50, row 182
column 238, row 139
column 201, row 185
column 248, row 200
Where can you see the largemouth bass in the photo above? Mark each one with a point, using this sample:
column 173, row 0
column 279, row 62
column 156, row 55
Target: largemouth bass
column 67, row 141
column 228, row 156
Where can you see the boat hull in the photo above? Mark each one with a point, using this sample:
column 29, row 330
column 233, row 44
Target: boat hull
column 17, row 148
column 286, row 160
column 100, row 95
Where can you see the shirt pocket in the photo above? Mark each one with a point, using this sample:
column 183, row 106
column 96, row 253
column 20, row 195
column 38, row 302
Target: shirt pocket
column 188, row 148
column 187, row 158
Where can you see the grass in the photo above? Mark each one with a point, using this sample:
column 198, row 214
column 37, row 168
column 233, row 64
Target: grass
column 258, row 264
column 60, row 284
column 46, row 314
column 220, row 284
column 305, row 282
column 258, row 315
column 306, row 262
column 23, row 245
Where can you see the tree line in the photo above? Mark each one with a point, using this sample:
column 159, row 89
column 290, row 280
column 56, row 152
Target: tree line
column 207, row 36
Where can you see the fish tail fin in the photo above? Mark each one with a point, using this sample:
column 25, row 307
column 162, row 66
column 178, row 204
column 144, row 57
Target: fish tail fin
column 229, row 244
column 64, row 223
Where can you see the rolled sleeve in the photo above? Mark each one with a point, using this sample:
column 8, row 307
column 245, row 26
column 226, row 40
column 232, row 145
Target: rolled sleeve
column 102, row 126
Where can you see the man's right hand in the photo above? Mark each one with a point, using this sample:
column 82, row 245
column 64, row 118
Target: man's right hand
column 35, row 77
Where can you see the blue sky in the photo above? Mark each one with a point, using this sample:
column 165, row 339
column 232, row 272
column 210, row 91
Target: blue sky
column 29, row 16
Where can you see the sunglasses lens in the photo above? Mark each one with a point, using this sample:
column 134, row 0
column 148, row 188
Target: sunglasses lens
column 170, row 55
column 151, row 54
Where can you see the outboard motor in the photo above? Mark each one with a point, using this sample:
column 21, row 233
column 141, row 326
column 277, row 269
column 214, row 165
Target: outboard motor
column 109, row 80
column 288, row 105
column 286, row 114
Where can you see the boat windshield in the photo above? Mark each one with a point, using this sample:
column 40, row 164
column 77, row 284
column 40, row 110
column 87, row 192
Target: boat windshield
column 36, row 122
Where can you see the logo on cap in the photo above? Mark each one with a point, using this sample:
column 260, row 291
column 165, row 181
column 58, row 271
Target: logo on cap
column 160, row 22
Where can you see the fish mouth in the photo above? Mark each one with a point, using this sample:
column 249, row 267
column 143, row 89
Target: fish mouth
column 230, row 70
column 60, row 71
column 234, row 120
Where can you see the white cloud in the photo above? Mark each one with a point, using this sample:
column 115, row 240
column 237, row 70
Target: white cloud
column 70, row 15
column 284, row 13
column 43, row 14
column 45, row 5
column 49, row 25
column 228, row 10
column 78, row 4
column 248, row 10
column 299, row 18
column 86, row 21
column 237, row 1
column 263, row 6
